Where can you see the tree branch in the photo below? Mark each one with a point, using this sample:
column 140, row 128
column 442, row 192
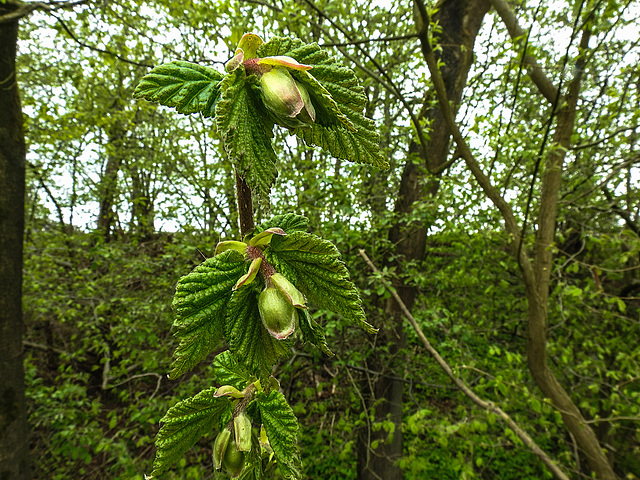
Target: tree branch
column 544, row 84
column 371, row 40
column 25, row 9
column 96, row 49
column 465, row 152
column 486, row 405
column 613, row 172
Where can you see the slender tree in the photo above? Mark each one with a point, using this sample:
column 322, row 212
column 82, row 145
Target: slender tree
column 536, row 268
column 460, row 21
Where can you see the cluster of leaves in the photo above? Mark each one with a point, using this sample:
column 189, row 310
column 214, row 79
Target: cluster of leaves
column 209, row 309
column 246, row 125
column 220, row 299
column 187, row 421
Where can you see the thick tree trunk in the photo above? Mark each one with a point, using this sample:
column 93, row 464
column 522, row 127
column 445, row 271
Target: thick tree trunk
column 14, row 453
column 460, row 21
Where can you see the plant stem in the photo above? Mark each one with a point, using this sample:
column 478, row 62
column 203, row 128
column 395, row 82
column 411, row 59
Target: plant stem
column 245, row 205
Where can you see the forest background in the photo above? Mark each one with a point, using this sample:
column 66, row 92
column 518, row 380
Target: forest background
column 511, row 234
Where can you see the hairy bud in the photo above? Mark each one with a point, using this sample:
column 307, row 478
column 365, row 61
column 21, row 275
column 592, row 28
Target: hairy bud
column 277, row 313
column 233, row 461
column 220, row 447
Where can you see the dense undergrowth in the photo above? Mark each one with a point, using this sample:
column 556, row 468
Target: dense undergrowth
column 99, row 344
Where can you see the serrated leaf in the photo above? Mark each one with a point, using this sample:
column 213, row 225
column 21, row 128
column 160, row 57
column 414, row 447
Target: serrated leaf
column 251, row 344
column 281, row 426
column 187, row 87
column 246, row 132
column 339, row 100
column 200, row 301
column 314, row 266
column 230, row 372
column 184, row 424
column 289, row 222
column 312, row 332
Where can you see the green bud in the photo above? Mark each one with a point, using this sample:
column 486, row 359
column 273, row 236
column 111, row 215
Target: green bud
column 233, row 461
column 220, row 447
column 242, row 429
column 287, row 99
column 277, row 313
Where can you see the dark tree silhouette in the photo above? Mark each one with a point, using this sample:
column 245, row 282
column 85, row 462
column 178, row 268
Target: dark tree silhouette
column 14, row 453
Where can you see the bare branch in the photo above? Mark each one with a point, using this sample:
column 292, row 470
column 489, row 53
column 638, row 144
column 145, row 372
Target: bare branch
column 614, row 171
column 614, row 419
column 371, row 40
column 40, row 346
column 96, row 49
column 605, row 138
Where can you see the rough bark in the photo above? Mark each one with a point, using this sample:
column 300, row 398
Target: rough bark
column 142, row 203
column 108, row 188
column 460, row 21
column 14, row 454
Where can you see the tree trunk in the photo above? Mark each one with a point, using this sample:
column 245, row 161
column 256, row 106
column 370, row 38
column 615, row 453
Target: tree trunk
column 142, row 203
column 460, row 20
column 108, row 188
column 538, row 289
column 14, row 452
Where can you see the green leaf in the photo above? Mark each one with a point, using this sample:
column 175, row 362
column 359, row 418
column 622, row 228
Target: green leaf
column 230, row 372
column 312, row 332
column 188, row 87
column 289, row 222
column 246, row 131
column 314, row 266
column 200, row 302
column 251, row 344
column 184, row 424
column 338, row 99
column 281, row 426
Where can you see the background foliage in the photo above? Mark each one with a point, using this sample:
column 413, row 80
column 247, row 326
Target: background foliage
column 124, row 198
